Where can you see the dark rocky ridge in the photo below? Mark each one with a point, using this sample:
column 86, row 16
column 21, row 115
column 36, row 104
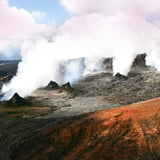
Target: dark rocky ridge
column 8, row 67
column 7, row 70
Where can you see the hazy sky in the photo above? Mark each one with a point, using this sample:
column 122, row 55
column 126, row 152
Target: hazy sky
column 23, row 19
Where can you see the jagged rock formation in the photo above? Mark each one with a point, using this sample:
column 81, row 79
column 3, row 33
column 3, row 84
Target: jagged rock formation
column 126, row 133
column 51, row 86
column 17, row 100
column 139, row 61
column 108, row 63
column 67, row 87
column 70, row 91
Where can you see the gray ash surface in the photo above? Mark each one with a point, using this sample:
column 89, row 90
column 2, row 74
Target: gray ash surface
column 141, row 85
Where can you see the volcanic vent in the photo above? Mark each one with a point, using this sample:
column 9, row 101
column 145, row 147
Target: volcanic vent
column 51, row 86
column 17, row 100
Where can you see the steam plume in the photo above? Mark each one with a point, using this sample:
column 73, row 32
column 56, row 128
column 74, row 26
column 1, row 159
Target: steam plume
column 99, row 28
column 15, row 25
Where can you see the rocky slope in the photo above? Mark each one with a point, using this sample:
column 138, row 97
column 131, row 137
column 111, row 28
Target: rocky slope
column 67, row 123
column 142, row 84
column 127, row 133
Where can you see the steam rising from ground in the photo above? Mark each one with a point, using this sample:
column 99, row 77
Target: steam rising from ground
column 99, row 28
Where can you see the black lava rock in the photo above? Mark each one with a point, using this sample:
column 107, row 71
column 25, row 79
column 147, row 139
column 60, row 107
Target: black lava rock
column 17, row 100
column 52, row 85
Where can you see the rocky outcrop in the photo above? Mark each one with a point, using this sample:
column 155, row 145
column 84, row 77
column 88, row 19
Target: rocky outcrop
column 127, row 133
column 51, row 86
column 17, row 100
column 140, row 61
column 119, row 76
column 67, row 87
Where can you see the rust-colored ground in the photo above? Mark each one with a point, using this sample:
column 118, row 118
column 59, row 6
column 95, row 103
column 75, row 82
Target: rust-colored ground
column 126, row 133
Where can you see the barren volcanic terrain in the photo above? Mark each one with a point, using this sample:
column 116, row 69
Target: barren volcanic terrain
column 85, row 121
column 131, row 132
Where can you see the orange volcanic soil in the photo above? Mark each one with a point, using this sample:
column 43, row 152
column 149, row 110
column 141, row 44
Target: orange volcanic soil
column 126, row 133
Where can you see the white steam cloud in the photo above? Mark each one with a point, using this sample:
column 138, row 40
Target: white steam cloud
column 99, row 28
column 15, row 25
